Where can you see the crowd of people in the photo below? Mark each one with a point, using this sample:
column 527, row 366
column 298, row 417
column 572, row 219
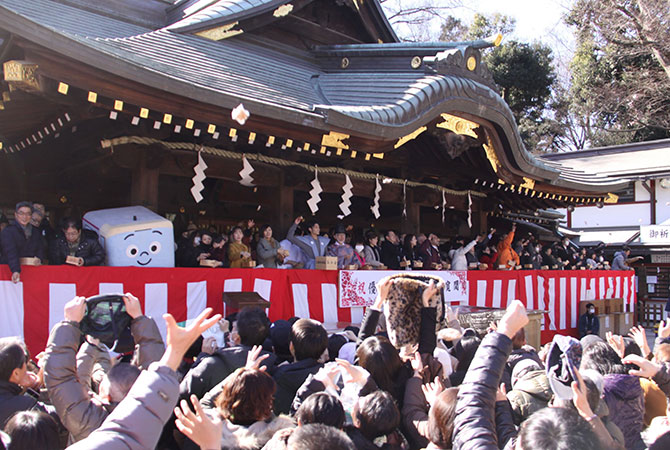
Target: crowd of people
column 253, row 384
column 30, row 235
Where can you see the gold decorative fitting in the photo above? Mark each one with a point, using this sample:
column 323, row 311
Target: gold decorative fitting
column 498, row 39
column 6, row 96
column 63, row 88
column 92, row 97
column 344, row 63
column 335, row 140
column 283, row 10
column 21, row 74
column 220, row 33
column 144, row 113
column 167, row 118
column 472, row 63
column 416, row 62
column 611, row 198
column 378, row 155
column 458, row 125
column 118, row 105
column 211, row 128
column 491, row 154
column 413, row 135
column 189, row 123
column 528, row 183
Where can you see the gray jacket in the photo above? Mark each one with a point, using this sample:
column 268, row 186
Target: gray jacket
column 137, row 422
column 266, row 252
column 73, row 403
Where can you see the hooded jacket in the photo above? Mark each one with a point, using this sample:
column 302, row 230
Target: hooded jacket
column 530, row 394
column 253, row 437
column 625, row 400
column 619, row 261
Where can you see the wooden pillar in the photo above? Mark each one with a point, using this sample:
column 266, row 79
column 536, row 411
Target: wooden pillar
column 284, row 207
column 652, row 202
column 144, row 187
column 412, row 223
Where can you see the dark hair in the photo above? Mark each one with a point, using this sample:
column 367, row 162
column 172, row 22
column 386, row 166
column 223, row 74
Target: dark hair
column 464, row 351
column 310, row 224
column 389, row 231
column 69, row 222
column 626, row 248
column 408, row 241
column 592, row 394
column 519, row 339
column 121, row 378
column 309, row 339
column 377, row 414
column 253, row 326
column 33, row 430
column 235, row 228
column 557, row 429
column 661, row 443
column 631, row 347
column 263, row 228
column 441, row 418
column 246, row 396
column 323, row 408
column 218, row 238
column 317, row 437
column 13, row 355
column 602, row 358
column 379, row 357
column 24, row 204
column 370, row 235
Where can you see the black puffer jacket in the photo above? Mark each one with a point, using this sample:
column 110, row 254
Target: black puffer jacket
column 475, row 422
column 89, row 249
column 15, row 246
column 13, row 400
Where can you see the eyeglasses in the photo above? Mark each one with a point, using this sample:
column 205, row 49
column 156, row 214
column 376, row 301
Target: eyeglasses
column 24, row 213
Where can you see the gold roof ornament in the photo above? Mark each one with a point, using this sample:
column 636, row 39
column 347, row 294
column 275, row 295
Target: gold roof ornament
column 220, row 33
column 458, row 125
column 283, row 10
column 23, row 75
column 611, row 198
column 335, row 140
column 413, row 135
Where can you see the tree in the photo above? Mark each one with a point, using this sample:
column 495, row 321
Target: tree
column 524, row 74
column 620, row 73
column 412, row 19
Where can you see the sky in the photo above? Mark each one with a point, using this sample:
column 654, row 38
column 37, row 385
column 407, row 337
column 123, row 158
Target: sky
column 535, row 20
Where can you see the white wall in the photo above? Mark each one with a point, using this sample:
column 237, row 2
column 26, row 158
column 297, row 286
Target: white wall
column 641, row 194
column 584, row 217
column 662, row 203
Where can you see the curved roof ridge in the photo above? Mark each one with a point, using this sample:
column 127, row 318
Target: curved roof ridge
column 222, row 11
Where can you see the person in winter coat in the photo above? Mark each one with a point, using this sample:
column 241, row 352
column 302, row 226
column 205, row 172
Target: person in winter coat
column 506, row 255
column 245, row 406
column 15, row 379
column 588, row 322
column 621, row 391
column 619, row 261
column 20, row 240
column 253, row 327
column 458, row 260
column 530, row 390
column 371, row 250
column 267, row 250
column 81, row 414
column 391, row 251
column 137, row 422
column 312, row 244
column 74, row 242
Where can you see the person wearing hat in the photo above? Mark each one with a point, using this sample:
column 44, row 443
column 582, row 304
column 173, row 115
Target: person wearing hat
column 341, row 250
column 589, row 322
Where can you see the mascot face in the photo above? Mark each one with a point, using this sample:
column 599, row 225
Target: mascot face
column 142, row 247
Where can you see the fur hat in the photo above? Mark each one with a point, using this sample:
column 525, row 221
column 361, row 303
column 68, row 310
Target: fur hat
column 404, row 303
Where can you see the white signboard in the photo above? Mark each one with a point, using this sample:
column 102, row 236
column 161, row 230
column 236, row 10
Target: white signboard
column 359, row 287
column 655, row 234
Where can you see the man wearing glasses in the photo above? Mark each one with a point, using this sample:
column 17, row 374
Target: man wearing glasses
column 21, row 240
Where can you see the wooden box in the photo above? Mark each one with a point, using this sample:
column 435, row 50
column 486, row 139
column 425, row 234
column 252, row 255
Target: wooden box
column 32, row 261
column 418, row 264
column 239, row 300
column 599, row 305
column 351, row 267
column 326, row 263
column 614, row 305
column 623, row 322
column 483, row 266
column 73, row 260
column 607, row 323
column 472, row 266
column 404, row 263
column 209, row 262
column 248, row 263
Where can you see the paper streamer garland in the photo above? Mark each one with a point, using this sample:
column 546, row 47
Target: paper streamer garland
column 346, row 196
column 375, row 205
column 444, row 207
column 315, row 198
column 404, row 199
column 245, row 173
column 198, row 178
column 469, row 210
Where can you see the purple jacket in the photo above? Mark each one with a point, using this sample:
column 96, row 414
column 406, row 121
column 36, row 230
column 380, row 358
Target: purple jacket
column 625, row 400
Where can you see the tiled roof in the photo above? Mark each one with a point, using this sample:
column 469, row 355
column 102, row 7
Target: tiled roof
column 206, row 13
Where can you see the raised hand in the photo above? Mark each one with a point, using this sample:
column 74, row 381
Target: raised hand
column 432, row 390
column 579, row 397
column 254, row 358
column 197, row 426
column 133, row 307
column 648, row 368
column 616, row 342
column 640, row 337
column 515, row 318
column 428, row 294
column 208, row 345
column 664, row 328
column 383, row 289
column 357, row 374
column 179, row 339
column 75, row 309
